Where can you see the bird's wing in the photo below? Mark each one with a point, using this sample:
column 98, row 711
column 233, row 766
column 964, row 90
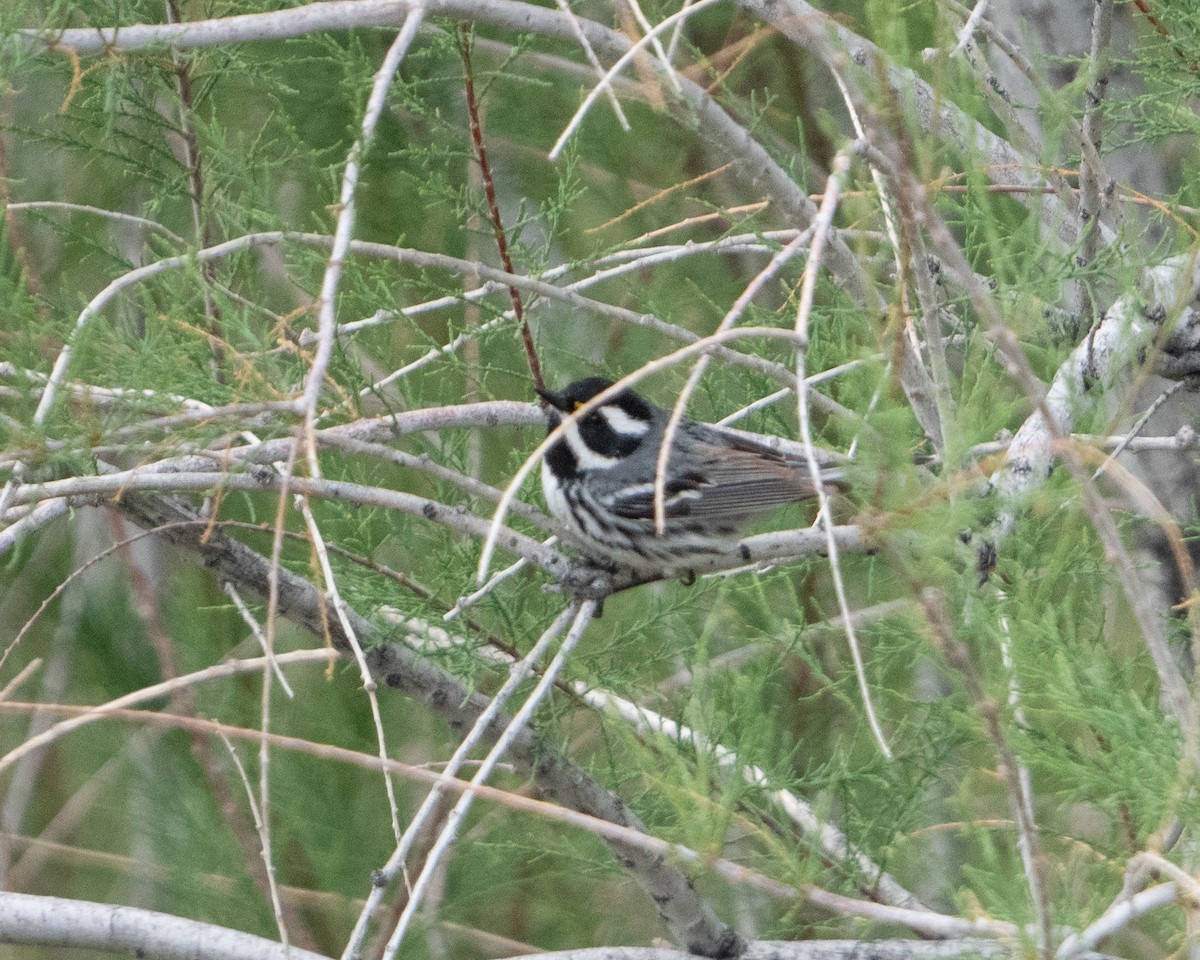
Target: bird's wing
column 730, row 483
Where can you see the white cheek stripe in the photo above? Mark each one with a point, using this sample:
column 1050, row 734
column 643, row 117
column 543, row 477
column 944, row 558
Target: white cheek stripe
column 623, row 423
column 585, row 456
column 555, row 499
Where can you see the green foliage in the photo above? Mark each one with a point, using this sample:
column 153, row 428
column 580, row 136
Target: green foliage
column 746, row 663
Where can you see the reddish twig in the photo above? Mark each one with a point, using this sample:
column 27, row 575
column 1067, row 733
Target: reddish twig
column 1157, row 24
column 489, row 186
column 205, row 235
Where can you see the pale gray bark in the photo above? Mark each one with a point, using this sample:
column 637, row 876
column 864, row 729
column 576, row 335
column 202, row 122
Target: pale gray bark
column 57, row 922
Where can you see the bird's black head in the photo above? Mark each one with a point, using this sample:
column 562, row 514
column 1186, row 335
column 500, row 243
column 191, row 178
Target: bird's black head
column 613, row 430
column 575, row 395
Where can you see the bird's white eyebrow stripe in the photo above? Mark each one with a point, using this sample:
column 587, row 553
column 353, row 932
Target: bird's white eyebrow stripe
column 622, row 423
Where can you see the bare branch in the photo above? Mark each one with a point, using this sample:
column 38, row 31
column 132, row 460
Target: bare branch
column 1020, row 802
column 580, row 613
column 386, row 875
column 58, row 922
column 817, row 950
column 1091, row 171
column 398, row 668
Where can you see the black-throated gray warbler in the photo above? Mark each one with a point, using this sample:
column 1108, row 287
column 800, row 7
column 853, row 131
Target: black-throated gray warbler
column 599, row 481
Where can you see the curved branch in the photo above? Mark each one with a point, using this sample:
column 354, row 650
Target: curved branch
column 819, row 950
column 691, row 920
column 59, row 922
column 694, row 104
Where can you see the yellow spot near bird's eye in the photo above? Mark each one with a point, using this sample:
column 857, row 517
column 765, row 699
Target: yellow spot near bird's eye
column 576, row 405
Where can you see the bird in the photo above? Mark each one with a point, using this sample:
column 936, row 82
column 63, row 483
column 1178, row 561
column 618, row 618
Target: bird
column 598, row 481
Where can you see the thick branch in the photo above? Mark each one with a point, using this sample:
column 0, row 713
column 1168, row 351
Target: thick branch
column 58, row 922
column 691, row 920
column 1100, row 367
column 840, row 47
column 819, row 950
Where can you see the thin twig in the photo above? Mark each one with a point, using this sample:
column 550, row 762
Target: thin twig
column 925, row 922
column 969, row 28
column 678, row 17
column 489, row 189
column 808, row 285
column 260, row 821
column 462, row 603
column 88, row 715
column 582, row 613
column 344, row 228
column 368, row 682
column 248, row 618
column 386, row 874
column 1020, row 805
column 1140, row 424
column 18, row 680
column 1091, row 173
column 201, row 222
column 834, row 844
column 677, row 35
column 590, row 53
column 115, row 215
column 663, row 59
column 1023, row 783
column 1118, row 916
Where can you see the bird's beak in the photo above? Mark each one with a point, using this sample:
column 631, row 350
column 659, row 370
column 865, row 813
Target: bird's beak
column 556, row 400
